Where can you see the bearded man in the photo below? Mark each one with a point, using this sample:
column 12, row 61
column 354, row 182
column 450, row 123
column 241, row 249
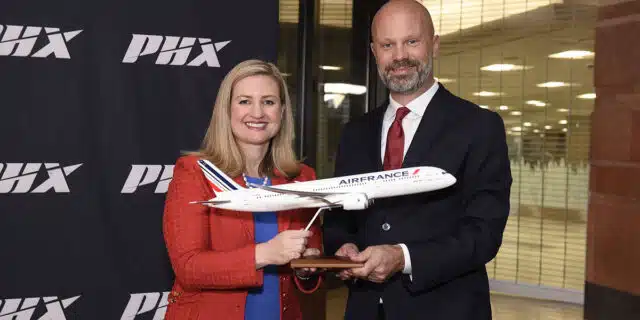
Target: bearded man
column 424, row 255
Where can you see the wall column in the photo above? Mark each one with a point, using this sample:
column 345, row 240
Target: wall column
column 613, row 233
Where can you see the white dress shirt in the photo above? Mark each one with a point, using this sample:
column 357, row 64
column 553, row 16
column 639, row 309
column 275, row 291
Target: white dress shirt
column 409, row 125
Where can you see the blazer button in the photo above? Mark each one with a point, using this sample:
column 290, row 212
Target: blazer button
column 386, row 226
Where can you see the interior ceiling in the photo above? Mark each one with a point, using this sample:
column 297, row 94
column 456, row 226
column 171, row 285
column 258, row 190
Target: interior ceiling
column 525, row 39
column 477, row 33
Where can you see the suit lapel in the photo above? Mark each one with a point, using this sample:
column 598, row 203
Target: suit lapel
column 376, row 131
column 432, row 123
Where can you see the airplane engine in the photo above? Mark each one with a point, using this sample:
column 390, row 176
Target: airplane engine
column 357, row 201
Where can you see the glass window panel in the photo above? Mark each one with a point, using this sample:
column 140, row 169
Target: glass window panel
column 336, row 93
column 287, row 45
column 498, row 54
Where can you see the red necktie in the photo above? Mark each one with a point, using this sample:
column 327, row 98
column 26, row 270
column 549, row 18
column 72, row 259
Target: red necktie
column 394, row 152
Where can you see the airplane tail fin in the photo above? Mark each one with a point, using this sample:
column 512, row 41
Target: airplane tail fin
column 217, row 179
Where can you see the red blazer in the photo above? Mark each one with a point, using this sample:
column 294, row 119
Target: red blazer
column 212, row 251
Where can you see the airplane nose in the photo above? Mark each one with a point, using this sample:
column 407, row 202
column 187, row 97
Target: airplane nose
column 451, row 180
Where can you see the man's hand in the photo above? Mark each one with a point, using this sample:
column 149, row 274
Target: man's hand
column 380, row 262
column 348, row 250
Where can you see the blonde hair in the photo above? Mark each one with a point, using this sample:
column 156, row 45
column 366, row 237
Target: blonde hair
column 219, row 145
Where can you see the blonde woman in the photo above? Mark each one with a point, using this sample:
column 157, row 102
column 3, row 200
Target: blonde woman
column 233, row 265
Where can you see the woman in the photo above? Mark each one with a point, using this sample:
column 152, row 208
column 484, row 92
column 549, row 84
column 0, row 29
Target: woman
column 233, row 265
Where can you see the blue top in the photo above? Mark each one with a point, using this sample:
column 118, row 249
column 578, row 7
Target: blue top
column 264, row 302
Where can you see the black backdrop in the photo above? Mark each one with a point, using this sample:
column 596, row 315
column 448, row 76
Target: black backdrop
column 96, row 105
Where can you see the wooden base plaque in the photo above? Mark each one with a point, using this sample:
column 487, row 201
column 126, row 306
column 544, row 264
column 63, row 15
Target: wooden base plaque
column 325, row 262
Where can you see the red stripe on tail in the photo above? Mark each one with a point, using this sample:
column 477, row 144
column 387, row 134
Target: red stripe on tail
column 214, row 187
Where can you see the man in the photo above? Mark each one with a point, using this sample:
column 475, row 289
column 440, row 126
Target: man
column 424, row 255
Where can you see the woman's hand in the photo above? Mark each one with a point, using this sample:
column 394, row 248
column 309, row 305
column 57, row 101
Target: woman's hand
column 311, row 252
column 284, row 247
column 306, row 272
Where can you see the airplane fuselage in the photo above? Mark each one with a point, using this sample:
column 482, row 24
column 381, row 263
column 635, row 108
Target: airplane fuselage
column 354, row 192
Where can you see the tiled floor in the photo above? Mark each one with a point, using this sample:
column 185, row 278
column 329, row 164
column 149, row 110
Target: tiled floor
column 504, row 308
column 512, row 308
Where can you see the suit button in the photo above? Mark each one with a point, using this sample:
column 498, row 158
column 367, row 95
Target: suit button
column 386, row 226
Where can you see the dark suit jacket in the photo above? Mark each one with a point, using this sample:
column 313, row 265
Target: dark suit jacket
column 451, row 233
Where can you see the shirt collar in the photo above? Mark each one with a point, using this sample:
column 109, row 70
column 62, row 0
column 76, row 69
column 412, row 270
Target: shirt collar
column 417, row 105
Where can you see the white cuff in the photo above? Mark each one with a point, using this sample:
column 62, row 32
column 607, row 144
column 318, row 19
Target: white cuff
column 407, row 259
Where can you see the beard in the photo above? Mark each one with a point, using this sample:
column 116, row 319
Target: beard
column 409, row 82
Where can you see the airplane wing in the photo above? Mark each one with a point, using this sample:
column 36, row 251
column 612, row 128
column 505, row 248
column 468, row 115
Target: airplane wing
column 316, row 195
column 300, row 193
column 214, row 202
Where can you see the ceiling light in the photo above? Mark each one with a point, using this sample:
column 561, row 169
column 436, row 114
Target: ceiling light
column 516, row 129
column 548, row 127
column 564, row 130
column 504, row 108
column 332, row 96
column 562, row 122
column 552, row 84
column 451, row 16
column 484, row 107
column 572, row 54
column 516, row 113
column 499, row 67
column 527, row 124
column 487, row 94
column 587, row 96
column 563, row 110
column 344, row 88
column 330, row 68
column 536, row 130
column 536, row 103
column 335, row 98
column 444, row 80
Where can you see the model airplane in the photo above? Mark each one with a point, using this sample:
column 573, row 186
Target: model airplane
column 354, row 192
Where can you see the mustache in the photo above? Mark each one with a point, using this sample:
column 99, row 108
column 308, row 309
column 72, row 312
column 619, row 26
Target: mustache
column 404, row 63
